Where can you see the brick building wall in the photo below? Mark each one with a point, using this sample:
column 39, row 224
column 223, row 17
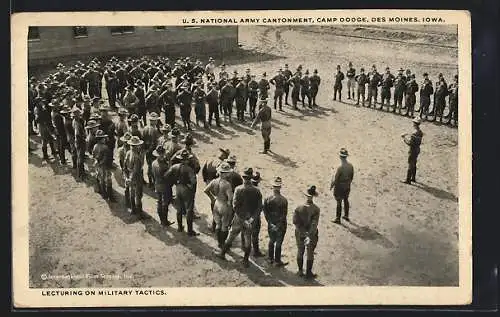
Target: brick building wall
column 59, row 43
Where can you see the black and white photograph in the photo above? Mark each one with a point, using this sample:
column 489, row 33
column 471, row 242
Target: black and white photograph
column 274, row 151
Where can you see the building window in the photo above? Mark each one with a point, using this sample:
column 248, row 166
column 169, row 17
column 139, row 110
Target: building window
column 33, row 33
column 116, row 30
column 80, row 31
column 159, row 28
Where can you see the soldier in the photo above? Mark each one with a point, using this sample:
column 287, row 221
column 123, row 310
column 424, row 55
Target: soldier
column 295, row 83
column 121, row 126
column 164, row 137
column 341, row 185
column 184, row 178
column 122, row 152
column 45, row 128
column 213, row 104
column 264, row 116
column 305, row 89
column 91, row 128
column 453, row 101
column 92, row 76
column 108, row 126
column 101, row 153
column 278, row 82
column 226, row 96
column 199, row 97
column 305, row 219
column 133, row 174
column 111, row 86
column 153, row 101
column 223, row 76
column 337, row 87
column 287, row 74
column 209, row 170
column 150, row 135
column 173, row 146
column 253, row 91
column 247, row 204
column 163, row 190
column 185, row 98
column 374, row 79
column 168, row 99
column 413, row 141
column 80, row 145
column 264, row 87
column 351, row 75
column 315, row 82
column 130, row 100
column 221, row 199
column 240, row 97
column 60, row 132
column 275, row 211
column 210, row 69
column 399, row 88
column 234, row 177
column 133, row 122
column 410, row 98
column 257, row 223
column 86, row 108
column 426, row 90
column 70, row 134
column 235, row 79
column 141, row 105
column 440, row 98
column 387, row 83
column 361, row 80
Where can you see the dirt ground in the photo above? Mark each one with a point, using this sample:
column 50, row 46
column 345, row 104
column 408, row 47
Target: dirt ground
column 405, row 235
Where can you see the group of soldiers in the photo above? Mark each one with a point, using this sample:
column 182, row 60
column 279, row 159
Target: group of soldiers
column 404, row 87
column 71, row 115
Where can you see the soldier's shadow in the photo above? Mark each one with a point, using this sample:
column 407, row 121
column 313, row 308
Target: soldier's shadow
column 283, row 160
column 240, row 126
column 436, row 192
column 366, row 233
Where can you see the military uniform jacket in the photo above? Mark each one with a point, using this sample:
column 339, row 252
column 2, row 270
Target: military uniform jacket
column 58, row 123
column 101, row 153
column 339, row 77
column 387, row 81
column 171, row 149
column 275, row 210
column 264, row 114
column 209, row 170
column 159, row 169
column 227, row 93
column 412, row 88
column 343, row 176
column 351, row 73
column 120, row 128
column 278, row 81
column 132, row 168
column 80, row 136
column 306, row 219
column 130, row 100
column 185, row 97
column 108, row 127
column 362, row 80
column 315, row 81
column 199, row 96
column 213, row 97
column 426, row 89
column 253, row 89
column 193, row 162
column 241, row 91
column 235, row 179
column 453, row 92
column 152, row 100
column 415, row 141
column 264, row 85
column 374, row 80
column 150, row 137
column 122, row 151
column 441, row 90
column 399, row 84
column 70, row 132
column 140, row 94
column 247, row 201
column 288, row 74
column 295, row 82
column 181, row 174
column 168, row 97
column 305, row 83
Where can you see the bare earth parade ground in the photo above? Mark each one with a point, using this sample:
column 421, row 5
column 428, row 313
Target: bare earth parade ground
column 399, row 235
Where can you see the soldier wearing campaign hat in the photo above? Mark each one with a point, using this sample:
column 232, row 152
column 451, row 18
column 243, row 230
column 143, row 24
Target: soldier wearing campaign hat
column 108, row 126
column 45, row 128
column 264, row 87
column 306, row 219
column 264, row 116
column 305, row 89
column 278, row 82
column 275, row 210
column 212, row 99
column 185, row 98
column 121, row 126
column 168, row 100
column 410, row 98
column 426, row 90
column 399, row 88
column 133, row 173
column 140, row 93
column 341, row 184
column 453, row 101
column 163, row 190
column 315, row 80
column 199, row 97
column 101, row 154
column 413, row 141
column 387, row 83
column 130, row 100
column 78, row 126
column 150, row 135
column 337, row 87
column 60, row 132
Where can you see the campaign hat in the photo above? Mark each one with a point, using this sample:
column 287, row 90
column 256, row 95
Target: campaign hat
column 159, row 150
column 311, row 191
column 99, row 134
column 92, row 124
column 184, row 155
column 224, row 167
column 134, row 141
column 133, row 118
column 125, row 137
column 417, row 120
column 247, row 173
column 343, row 152
column 153, row 116
column 231, row 159
column 122, row 111
column 278, row 182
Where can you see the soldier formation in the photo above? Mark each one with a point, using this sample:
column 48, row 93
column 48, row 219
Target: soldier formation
column 70, row 114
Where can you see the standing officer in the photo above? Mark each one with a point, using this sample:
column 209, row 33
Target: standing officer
column 133, row 173
column 413, row 141
column 60, row 132
column 221, row 199
column 305, row 219
column 101, row 154
column 226, row 95
column 45, row 127
column 337, row 87
column 387, row 83
column 112, row 86
column 374, row 79
column 247, row 204
column 80, row 144
column 213, row 105
column 362, row 80
column 140, row 93
column 440, row 98
column 288, row 74
column 108, row 126
column 122, row 151
column 351, row 75
column 121, row 126
column 426, row 90
column 264, row 87
column 70, row 134
column 453, row 101
column 264, row 116
column 295, row 83
column 305, row 89
column 253, row 91
column 130, row 100
column 185, row 98
column 162, row 189
column 315, row 82
column 278, row 82
column 150, row 135
column 399, row 88
column 341, row 185
column 199, row 97
column 184, row 178
column 240, row 98
column 168, row 100
column 275, row 211
column 410, row 98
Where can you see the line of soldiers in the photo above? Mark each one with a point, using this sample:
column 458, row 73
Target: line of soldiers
column 405, row 88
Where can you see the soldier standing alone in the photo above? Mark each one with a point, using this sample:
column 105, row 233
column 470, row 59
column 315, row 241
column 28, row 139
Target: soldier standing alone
column 264, row 116
column 341, row 185
column 351, row 75
column 413, row 143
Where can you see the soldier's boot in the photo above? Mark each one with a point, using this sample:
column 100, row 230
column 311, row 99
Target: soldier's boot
column 139, row 208
column 45, row 154
column 408, row 176
column 218, row 234
column 338, row 213
column 270, row 252
column 103, row 191
column 165, row 213
column 224, row 235
column 353, row 95
column 127, row 197
column 346, row 210
column 133, row 208
column 255, row 246
column 222, row 253
column 73, row 160
column 110, row 194
column 213, row 225
column 278, row 261
column 300, row 266
column 245, row 261
column 53, row 150
column 161, row 214
column 180, row 228
column 413, row 174
column 309, row 273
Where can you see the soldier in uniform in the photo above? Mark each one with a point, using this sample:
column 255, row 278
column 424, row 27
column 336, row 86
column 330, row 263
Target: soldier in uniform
column 60, row 132
column 150, row 135
column 168, row 99
column 264, row 87
column 133, row 122
column 351, row 75
column 184, row 178
column 264, row 116
column 440, row 98
column 287, row 74
column 362, row 80
column 295, row 83
column 413, row 141
column 213, row 104
column 240, row 98
column 210, row 69
column 410, row 98
column 108, row 126
column 278, row 82
column 122, row 152
column 185, row 98
column 164, row 137
column 315, row 82
column 141, row 105
column 253, row 91
column 226, row 96
column 80, row 144
column 121, row 126
column 399, row 88
column 133, row 174
column 374, row 79
column 45, row 128
column 305, row 219
column 247, row 204
column 426, row 90
column 275, row 209
column 209, row 169
column 221, row 199
column 305, row 89
column 163, row 190
column 387, row 83
column 337, row 87
column 101, row 153
column 111, row 86
column 130, row 100
column 257, row 223
column 341, row 185
column 453, row 101
column 70, row 134
column 153, row 101
column 199, row 97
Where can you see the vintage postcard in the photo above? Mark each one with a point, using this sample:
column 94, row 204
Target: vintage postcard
column 241, row 158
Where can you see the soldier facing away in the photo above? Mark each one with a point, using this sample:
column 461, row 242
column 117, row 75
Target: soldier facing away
column 341, row 185
column 413, row 142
